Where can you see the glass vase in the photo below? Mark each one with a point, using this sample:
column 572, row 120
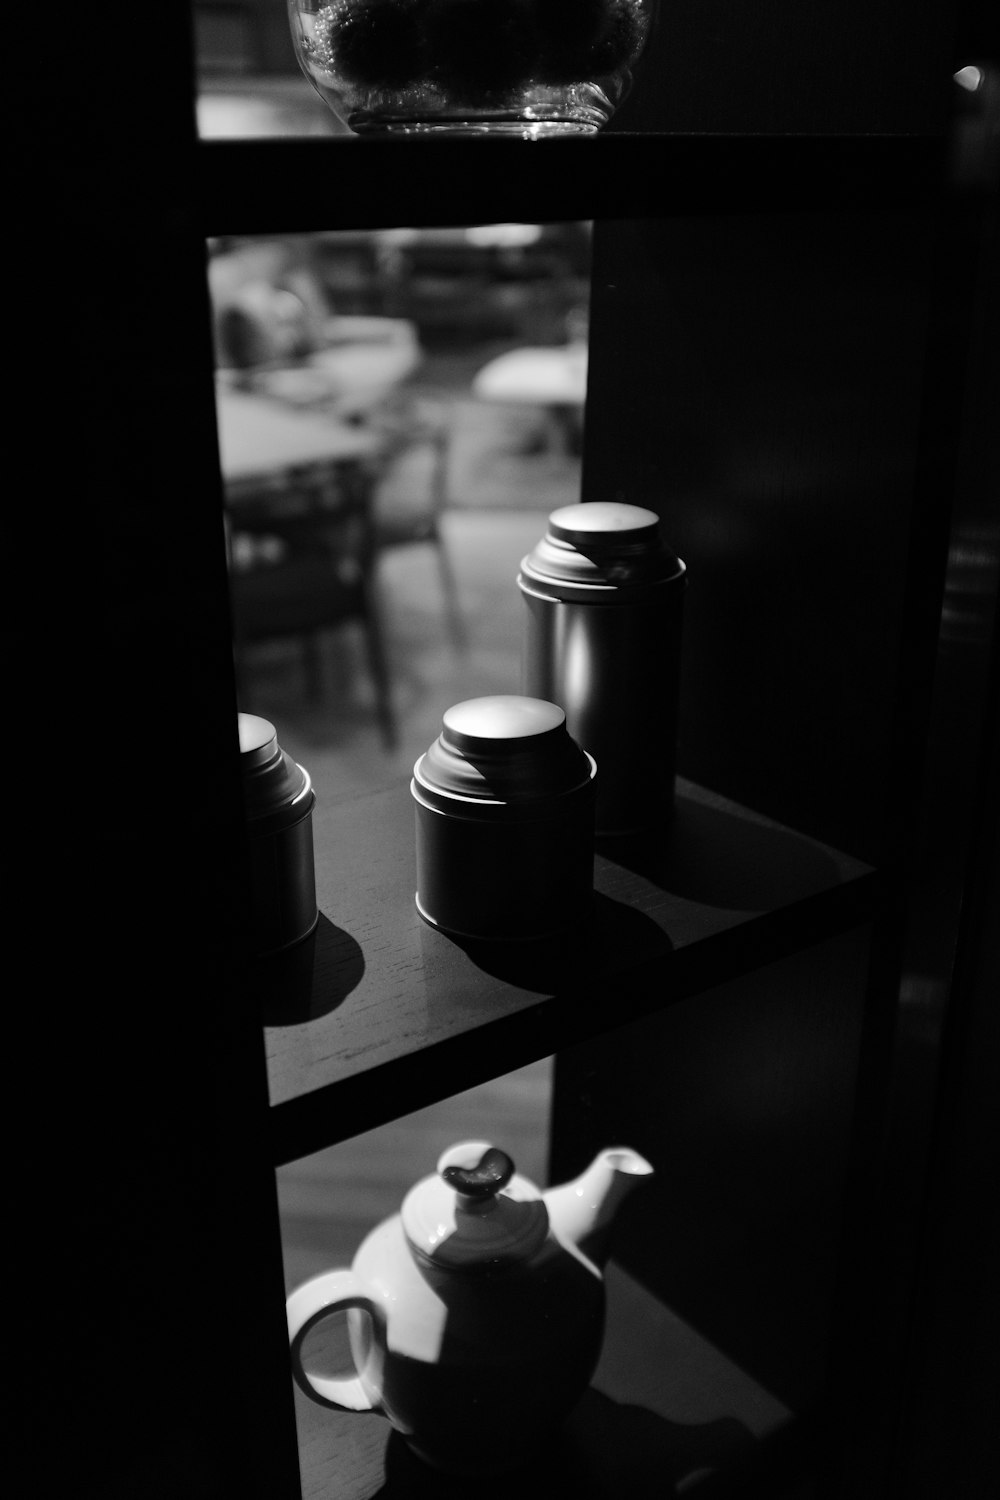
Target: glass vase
column 522, row 68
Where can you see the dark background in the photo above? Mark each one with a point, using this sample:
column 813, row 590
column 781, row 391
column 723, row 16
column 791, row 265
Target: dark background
column 157, row 1123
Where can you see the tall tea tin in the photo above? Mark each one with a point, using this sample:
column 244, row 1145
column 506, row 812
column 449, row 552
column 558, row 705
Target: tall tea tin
column 279, row 800
column 602, row 639
column 504, row 822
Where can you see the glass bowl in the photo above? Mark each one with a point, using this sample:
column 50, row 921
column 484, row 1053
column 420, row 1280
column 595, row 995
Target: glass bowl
column 524, row 68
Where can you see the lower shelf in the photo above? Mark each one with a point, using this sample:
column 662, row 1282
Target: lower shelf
column 667, row 1415
column 378, row 1014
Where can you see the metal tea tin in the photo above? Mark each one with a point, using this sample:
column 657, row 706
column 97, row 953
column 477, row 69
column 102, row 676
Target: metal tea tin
column 504, row 822
column 279, row 801
column 602, row 638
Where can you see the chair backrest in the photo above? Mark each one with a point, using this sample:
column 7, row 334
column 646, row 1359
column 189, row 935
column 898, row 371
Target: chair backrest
column 268, row 303
column 263, row 326
column 319, row 571
column 411, row 477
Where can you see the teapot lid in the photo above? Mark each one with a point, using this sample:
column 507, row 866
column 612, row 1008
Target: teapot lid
column 476, row 1213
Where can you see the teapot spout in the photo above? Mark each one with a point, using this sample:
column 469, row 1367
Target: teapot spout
column 582, row 1212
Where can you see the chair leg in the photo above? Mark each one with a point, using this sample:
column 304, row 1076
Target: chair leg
column 241, row 675
column 312, row 662
column 379, row 667
column 449, row 588
column 441, row 439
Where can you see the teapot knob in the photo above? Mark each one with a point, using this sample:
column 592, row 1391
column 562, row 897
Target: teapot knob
column 476, row 1179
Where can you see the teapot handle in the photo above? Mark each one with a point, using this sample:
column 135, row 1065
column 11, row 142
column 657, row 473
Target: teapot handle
column 309, row 1304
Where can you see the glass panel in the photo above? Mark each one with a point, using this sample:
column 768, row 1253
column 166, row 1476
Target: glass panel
column 526, row 69
column 429, row 383
column 249, row 84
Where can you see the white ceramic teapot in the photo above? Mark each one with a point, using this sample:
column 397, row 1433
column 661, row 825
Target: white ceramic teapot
column 476, row 1314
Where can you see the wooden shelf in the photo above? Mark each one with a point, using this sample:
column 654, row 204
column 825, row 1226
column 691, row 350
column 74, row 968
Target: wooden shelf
column 379, row 1014
column 666, row 1413
column 343, row 183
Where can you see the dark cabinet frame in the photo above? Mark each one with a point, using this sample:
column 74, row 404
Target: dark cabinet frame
column 177, row 1261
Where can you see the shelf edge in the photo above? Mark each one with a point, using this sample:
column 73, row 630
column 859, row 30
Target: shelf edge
column 348, row 1106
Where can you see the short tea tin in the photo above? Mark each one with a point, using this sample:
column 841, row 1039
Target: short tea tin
column 504, row 822
column 279, row 800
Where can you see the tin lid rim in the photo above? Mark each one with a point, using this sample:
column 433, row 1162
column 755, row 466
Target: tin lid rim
column 543, row 808
column 548, row 586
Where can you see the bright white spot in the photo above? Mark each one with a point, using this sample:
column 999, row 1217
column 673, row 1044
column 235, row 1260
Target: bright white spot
column 504, row 235
column 969, row 78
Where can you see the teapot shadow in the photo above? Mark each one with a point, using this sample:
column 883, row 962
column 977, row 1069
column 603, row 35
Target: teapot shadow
column 574, row 957
column 605, row 1450
column 309, row 979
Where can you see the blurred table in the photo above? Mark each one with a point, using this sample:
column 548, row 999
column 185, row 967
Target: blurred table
column 363, row 363
column 554, row 378
column 262, row 441
column 546, row 377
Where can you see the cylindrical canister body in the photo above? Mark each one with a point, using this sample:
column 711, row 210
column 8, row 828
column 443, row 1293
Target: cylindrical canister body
column 279, row 802
column 602, row 639
column 504, row 822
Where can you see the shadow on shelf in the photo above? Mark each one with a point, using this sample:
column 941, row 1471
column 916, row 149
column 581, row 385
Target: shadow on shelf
column 710, row 856
column 607, row 1450
column 309, row 979
column 551, row 965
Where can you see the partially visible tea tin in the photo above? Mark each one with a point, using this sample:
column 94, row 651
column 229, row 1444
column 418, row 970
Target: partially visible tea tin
column 504, row 822
column 279, row 801
column 602, row 638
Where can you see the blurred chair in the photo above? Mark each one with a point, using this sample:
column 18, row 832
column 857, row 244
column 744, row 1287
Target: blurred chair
column 277, row 336
column 302, row 560
column 411, row 488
